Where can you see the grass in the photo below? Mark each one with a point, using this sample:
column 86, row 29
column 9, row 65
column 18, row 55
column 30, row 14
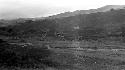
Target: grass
column 91, row 55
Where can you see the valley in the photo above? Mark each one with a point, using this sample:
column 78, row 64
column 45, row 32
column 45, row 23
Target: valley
column 81, row 40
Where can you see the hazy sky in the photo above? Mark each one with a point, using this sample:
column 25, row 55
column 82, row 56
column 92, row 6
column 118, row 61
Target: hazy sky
column 39, row 8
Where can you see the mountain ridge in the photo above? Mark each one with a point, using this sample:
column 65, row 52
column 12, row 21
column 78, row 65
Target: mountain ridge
column 78, row 12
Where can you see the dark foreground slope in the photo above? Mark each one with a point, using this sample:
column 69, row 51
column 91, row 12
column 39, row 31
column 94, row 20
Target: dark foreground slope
column 17, row 56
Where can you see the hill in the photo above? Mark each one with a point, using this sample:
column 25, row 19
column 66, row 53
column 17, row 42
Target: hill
column 98, row 24
column 78, row 12
column 82, row 26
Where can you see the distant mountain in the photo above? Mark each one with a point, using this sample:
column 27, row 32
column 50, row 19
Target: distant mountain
column 93, row 25
column 109, row 7
column 78, row 12
column 107, row 21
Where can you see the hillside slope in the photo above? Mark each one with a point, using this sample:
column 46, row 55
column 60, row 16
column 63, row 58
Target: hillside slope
column 95, row 25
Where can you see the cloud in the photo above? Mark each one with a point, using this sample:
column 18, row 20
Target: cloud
column 20, row 8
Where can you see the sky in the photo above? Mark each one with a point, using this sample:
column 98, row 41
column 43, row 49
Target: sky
column 10, row 9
